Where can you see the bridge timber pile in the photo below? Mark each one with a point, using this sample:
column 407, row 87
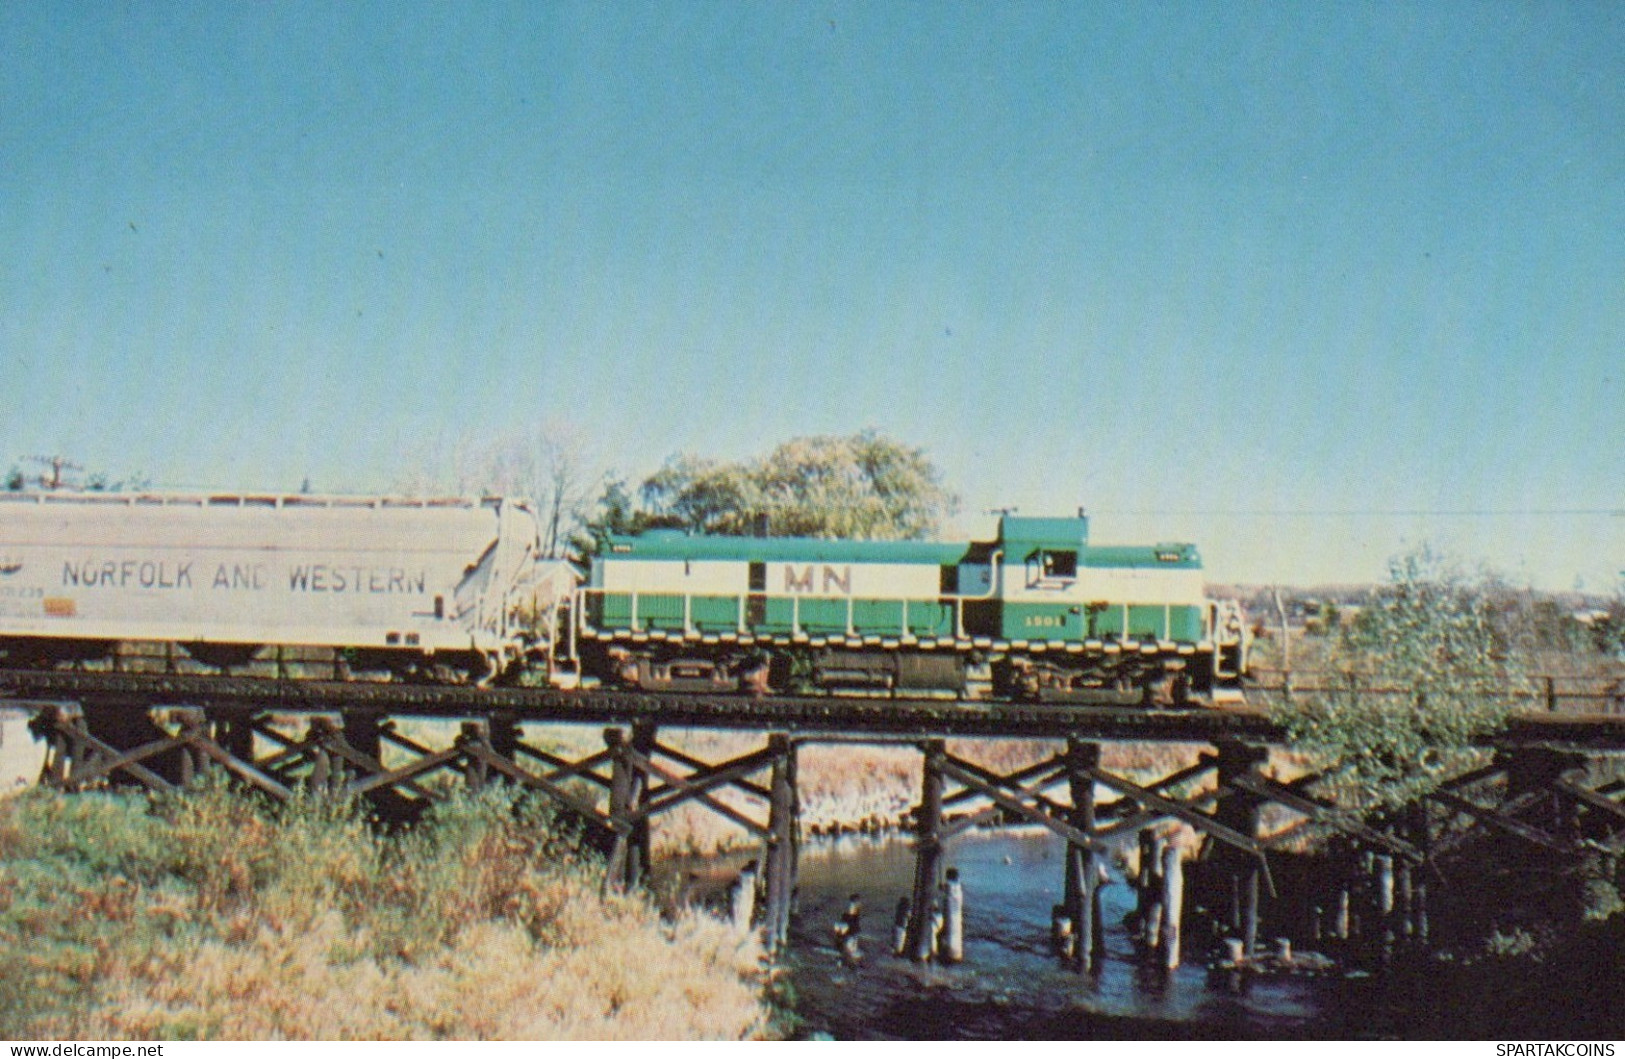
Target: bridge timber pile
column 1539, row 788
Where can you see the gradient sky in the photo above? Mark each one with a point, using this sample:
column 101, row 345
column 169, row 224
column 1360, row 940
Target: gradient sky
column 1305, row 283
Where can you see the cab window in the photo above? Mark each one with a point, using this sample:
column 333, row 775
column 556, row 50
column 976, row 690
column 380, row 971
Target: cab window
column 1048, row 568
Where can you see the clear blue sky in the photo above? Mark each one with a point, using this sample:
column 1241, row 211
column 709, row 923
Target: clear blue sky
column 1257, row 275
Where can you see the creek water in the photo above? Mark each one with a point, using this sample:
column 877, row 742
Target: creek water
column 1010, row 985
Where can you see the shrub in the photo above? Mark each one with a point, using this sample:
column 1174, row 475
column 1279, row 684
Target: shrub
column 1430, row 638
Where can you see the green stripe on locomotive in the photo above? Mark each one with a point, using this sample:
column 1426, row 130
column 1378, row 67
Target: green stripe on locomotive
column 1072, row 622
column 1042, row 621
column 677, row 545
column 776, row 616
column 1143, row 557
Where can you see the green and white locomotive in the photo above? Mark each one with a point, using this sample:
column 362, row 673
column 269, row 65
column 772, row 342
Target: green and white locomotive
column 1037, row 614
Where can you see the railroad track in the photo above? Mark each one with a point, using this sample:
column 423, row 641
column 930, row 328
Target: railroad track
column 832, row 717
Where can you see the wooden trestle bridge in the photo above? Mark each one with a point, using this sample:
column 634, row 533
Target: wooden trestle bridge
column 341, row 739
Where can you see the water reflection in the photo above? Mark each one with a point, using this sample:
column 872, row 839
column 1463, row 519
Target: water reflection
column 1010, row 985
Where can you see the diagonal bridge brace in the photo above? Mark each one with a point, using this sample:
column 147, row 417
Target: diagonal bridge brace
column 955, row 769
column 476, row 749
column 1503, row 820
column 1599, row 800
column 109, row 760
column 581, row 770
column 1151, row 817
column 194, row 738
column 1594, row 799
column 1202, row 822
column 679, row 789
column 1029, row 782
column 1324, row 813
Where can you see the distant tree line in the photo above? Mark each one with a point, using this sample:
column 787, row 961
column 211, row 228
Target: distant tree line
column 59, row 473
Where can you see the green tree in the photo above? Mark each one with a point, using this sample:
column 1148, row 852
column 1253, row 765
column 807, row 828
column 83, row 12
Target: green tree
column 863, row 485
column 615, row 512
column 1430, row 640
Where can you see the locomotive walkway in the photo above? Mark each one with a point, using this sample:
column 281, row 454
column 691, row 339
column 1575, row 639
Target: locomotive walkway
column 1537, row 786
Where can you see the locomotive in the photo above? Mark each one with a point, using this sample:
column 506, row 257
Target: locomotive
column 458, row 590
column 1039, row 613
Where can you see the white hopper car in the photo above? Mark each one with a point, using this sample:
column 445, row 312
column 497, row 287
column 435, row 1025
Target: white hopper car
column 404, row 586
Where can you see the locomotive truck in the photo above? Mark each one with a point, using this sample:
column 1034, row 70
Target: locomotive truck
column 457, row 590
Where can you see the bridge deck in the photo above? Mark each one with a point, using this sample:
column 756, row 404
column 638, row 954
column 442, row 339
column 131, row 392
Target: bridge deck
column 806, row 716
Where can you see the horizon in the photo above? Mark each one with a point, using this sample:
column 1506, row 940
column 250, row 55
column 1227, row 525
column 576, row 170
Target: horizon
column 1305, row 285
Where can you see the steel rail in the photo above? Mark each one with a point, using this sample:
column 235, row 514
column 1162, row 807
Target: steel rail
column 807, row 717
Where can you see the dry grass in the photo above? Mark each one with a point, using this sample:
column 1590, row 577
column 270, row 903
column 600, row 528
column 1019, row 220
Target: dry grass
column 215, row 917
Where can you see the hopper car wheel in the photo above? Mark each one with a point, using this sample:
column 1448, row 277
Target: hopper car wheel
column 223, row 656
column 39, row 653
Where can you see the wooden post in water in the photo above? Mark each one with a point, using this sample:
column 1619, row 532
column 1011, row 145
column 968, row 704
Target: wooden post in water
column 1422, row 837
column 781, row 852
column 1151, row 929
column 1249, row 911
column 1173, row 903
column 1072, row 886
column 928, row 854
column 1384, row 870
column 1084, row 896
column 1143, row 874
column 1061, row 940
column 1407, row 900
column 953, row 910
column 899, row 927
column 1239, row 811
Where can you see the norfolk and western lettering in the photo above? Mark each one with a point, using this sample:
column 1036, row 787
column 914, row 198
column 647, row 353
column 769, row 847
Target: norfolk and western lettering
column 243, row 577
